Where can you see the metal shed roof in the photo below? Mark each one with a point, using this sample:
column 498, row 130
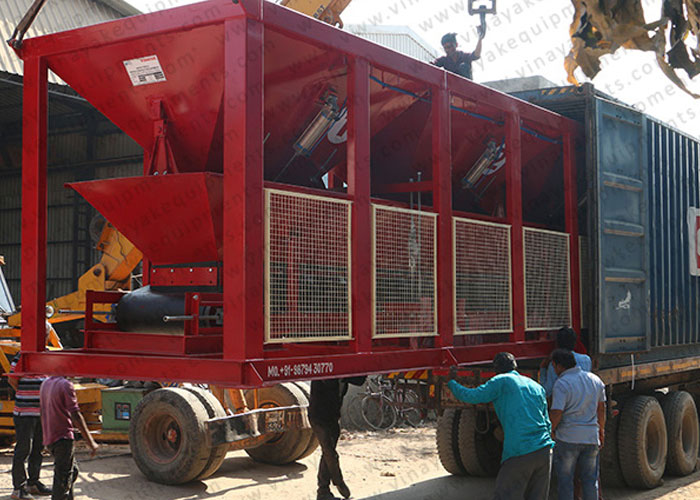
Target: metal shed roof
column 399, row 38
column 56, row 15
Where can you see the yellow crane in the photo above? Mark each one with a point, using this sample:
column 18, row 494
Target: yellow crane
column 326, row 11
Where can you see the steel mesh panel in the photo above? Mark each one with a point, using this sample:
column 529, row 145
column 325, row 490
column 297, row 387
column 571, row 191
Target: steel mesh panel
column 547, row 290
column 307, row 268
column 482, row 277
column 404, row 273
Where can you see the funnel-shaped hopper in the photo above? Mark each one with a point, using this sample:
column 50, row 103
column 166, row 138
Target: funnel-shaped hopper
column 172, row 219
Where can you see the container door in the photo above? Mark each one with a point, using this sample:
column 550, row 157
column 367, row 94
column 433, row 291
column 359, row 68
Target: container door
column 622, row 229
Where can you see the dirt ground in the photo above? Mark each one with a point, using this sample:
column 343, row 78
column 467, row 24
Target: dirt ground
column 398, row 465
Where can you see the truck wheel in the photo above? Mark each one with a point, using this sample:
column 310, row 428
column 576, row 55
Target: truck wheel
column 447, row 438
column 287, row 446
column 313, row 441
column 683, row 433
column 479, row 450
column 167, row 436
column 642, row 442
column 610, row 471
column 214, row 410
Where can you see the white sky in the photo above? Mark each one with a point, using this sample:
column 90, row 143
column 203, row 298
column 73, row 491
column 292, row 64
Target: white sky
column 527, row 37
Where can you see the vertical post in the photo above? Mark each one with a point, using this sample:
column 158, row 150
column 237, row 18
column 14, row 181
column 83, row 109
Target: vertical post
column 514, row 208
column 359, row 187
column 145, row 262
column 34, row 129
column 571, row 215
column 243, row 190
column 442, row 203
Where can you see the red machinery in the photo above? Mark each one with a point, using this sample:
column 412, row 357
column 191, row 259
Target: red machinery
column 312, row 204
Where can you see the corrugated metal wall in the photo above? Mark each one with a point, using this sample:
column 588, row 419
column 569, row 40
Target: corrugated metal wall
column 56, row 15
column 674, row 189
column 116, row 155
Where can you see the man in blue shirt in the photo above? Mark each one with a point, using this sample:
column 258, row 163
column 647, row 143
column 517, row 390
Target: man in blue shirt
column 521, row 407
column 566, row 339
column 578, row 426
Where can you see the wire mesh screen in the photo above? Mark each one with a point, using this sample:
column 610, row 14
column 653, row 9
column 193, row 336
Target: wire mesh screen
column 547, row 291
column 404, row 273
column 585, row 280
column 307, row 268
column 482, row 277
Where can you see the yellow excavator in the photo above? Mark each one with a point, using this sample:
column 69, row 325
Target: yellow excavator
column 113, row 272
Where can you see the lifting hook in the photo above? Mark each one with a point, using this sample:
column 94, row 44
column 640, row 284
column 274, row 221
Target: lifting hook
column 482, row 7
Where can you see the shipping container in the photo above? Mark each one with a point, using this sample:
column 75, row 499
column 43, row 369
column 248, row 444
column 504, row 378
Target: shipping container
column 638, row 203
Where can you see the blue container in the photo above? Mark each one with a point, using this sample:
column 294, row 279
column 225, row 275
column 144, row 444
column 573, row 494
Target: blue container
column 640, row 217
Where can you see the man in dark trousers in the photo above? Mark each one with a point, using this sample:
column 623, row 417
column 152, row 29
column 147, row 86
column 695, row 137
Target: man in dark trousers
column 324, row 415
column 59, row 415
column 28, row 435
column 456, row 61
column 521, row 408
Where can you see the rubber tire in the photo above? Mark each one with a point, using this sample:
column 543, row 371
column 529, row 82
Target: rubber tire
column 639, row 414
column 480, row 453
column 289, row 445
column 214, row 410
column 190, row 416
column 447, row 440
column 610, row 471
column 313, row 441
column 683, row 433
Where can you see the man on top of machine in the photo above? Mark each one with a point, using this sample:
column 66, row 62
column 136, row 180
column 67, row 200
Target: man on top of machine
column 456, row 61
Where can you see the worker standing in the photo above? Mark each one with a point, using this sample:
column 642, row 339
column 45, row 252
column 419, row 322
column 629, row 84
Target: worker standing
column 578, row 426
column 521, row 408
column 566, row 339
column 28, row 436
column 59, row 413
column 456, row 61
column 324, row 415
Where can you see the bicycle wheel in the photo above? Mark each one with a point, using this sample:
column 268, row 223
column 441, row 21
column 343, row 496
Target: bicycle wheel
column 411, row 412
column 354, row 412
column 378, row 412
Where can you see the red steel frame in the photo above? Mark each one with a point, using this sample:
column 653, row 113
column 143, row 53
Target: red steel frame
column 243, row 360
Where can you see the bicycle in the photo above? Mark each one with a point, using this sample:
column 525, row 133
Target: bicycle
column 386, row 403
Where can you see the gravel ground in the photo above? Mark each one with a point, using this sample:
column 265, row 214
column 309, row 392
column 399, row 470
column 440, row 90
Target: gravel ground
column 398, row 465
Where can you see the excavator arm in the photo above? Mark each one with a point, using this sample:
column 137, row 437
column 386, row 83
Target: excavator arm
column 327, row 11
column 113, row 272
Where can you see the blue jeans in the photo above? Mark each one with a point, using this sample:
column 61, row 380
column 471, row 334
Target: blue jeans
column 569, row 459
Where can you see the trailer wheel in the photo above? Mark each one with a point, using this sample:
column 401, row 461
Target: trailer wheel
column 313, row 441
column 610, row 471
column 479, row 450
column 447, row 438
column 683, row 433
column 642, row 442
column 167, row 436
column 214, row 410
column 286, row 447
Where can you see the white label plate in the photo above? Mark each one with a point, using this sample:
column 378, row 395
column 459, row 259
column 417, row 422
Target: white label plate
column 144, row 70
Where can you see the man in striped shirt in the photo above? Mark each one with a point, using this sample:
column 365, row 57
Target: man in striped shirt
column 28, row 435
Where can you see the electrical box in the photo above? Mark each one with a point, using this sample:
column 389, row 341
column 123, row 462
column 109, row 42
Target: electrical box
column 118, row 406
